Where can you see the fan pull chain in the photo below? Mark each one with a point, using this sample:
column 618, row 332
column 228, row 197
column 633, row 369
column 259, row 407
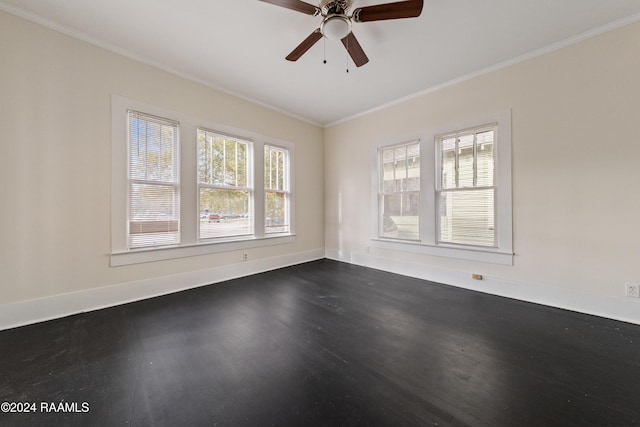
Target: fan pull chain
column 324, row 43
column 347, row 55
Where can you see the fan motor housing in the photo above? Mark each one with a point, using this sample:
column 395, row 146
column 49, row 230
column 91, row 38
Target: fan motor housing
column 335, row 7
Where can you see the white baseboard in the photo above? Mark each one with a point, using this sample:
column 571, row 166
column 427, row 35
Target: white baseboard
column 42, row 309
column 38, row 310
column 623, row 309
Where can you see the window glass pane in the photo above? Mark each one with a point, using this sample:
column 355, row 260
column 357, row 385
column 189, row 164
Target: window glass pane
column 267, row 167
column 413, row 150
column 388, row 171
column 204, row 158
column 152, row 149
column 465, row 161
column 399, row 203
column 389, row 186
column 153, row 202
column 224, row 213
column 468, row 217
column 230, row 160
column 280, row 170
column 448, row 179
column 276, row 213
column 221, row 160
column 400, row 165
column 242, row 165
column 401, row 168
column 413, row 174
column 400, row 218
column 274, row 170
column 153, row 215
column 217, row 160
column 276, row 191
column 275, row 165
column 485, row 159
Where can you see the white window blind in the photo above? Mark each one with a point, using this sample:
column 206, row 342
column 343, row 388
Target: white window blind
column 276, row 185
column 224, row 186
column 153, row 173
column 399, row 191
column 466, row 193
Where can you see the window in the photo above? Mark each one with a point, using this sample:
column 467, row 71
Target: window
column 224, row 186
column 466, row 193
column 276, row 185
column 224, row 205
column 399, row 192
column 153, row 193
column 448, row 193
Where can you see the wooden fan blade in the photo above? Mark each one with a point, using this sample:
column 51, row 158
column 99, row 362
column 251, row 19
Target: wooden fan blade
column 355, row 50
column 397, row 10
column 305, row 45
column 296, row 5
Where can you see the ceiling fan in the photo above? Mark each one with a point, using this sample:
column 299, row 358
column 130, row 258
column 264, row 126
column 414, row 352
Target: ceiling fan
column 337, row 22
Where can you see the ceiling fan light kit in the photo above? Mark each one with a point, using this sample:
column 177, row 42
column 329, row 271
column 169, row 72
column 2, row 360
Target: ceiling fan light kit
column 337, row 22
column 335, row 27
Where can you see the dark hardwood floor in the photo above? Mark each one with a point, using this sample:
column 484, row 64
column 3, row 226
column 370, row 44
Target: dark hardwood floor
column 324, row 344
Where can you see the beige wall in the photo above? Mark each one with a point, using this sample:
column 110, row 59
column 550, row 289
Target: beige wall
column 575, row 166
column 55, row 150
column 576, row 154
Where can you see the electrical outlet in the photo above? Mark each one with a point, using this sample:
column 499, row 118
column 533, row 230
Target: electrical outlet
column 476, row 276
column 245, row 256
column 632, row 290
column 367, row 250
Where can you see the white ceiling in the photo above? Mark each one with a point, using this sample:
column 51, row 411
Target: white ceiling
column 239, row 46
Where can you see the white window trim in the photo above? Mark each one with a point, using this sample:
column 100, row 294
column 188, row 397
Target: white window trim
column 205, row 248
column 189, row 215
column 428, row 245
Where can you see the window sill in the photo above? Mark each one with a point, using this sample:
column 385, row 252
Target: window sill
column 140, row 256
column 490, row 255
